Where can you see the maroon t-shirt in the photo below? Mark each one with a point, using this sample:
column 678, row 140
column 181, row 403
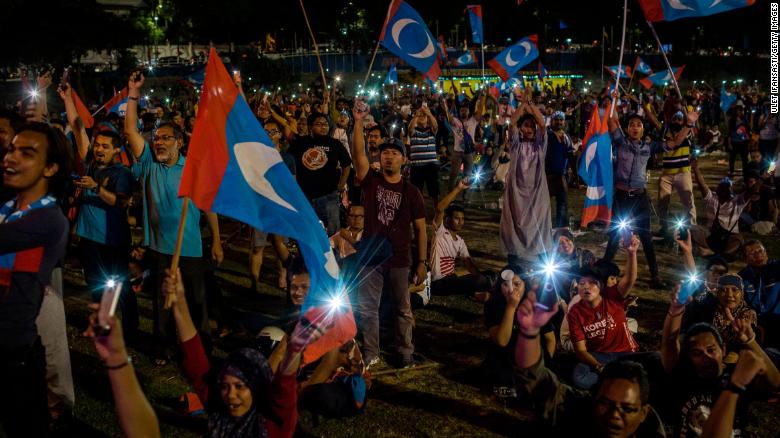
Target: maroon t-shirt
column 382, row 201
column 603, row 328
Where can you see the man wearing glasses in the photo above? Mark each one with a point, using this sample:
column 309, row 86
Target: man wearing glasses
column 159, row 167
column 322, row 166
column 762, row 292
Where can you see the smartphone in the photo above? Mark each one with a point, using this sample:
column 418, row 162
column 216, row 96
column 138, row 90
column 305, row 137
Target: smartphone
column 75, row 176
column 683, row 232
column 547, row 296
column 361, row 106
column 65, row 79
column 625, row 234
column 108, row 303
column 236, row 76
column 688, row 288
column 425, row 104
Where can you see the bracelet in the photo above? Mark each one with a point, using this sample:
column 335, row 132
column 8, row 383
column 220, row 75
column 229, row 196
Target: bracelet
column 121, row 365
column 135, row 98
column 733, row 387
column 527, row 336
column 750, row 340
column 675, row 314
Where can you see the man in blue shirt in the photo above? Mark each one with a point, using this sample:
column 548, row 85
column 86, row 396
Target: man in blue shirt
column 102, row 224
column 159, row 167
column 556, row 161
column 631, row 201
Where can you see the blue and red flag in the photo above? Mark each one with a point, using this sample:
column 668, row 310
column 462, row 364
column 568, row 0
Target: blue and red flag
column 596, row 170
column 82, row 110
column 465, row 59
column 670, row 10
column 392, row 76
column 625, row 72
column 406, row 35
column 542, row 71
column 475, row 18
column 233, row 169
column 115, row 100
column 726, row 99
column 640, row 66
column 662, row 77
column 442, row 50
column 515, row 57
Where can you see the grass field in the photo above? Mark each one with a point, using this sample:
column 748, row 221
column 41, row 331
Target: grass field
column 445, row 400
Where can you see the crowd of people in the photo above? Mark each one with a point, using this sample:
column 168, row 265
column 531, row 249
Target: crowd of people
column 559, row 324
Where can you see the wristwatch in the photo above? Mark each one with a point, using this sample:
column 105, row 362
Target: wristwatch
column 733, row 387
column 425, row 262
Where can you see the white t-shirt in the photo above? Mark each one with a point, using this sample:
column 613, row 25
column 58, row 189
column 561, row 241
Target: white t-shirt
column 729, row 212
column 446, row 250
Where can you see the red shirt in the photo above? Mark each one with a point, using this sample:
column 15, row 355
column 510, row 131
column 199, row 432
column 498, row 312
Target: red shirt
column 603, row 328
column 383, row 201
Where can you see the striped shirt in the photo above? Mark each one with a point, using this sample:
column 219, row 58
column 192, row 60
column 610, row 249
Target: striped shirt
column 677, row 160
column 446, row 249
column 422, row 148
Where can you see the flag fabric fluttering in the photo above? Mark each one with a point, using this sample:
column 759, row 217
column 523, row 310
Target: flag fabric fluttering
column 625, row 72
column 442, row 50
column 726, row 99
column 662, row 77
column 542, row 71
column 233, row 169
column 596, row 170
column 392, row 76
column 82, row 110
column 115, row 100
column 465, row 59
column 515, row 57
column 640, row 66
column 670, row 10
column 475, row 18
column 406, row 35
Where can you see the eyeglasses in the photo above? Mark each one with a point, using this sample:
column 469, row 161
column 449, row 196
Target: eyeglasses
column 274, row 132
column 623, row 409
column 164, row 137
column 758, row 251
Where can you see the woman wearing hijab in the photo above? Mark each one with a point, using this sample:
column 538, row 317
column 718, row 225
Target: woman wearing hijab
column 244, row 398
column 727, row 304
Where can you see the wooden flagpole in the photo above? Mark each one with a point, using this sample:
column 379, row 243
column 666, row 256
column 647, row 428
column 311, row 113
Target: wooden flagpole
column 177, row 248
column 316, row 49
column 666, row 60
column 371, row 65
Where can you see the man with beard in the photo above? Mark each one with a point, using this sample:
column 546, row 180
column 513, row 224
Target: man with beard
column 677, row 172
column 159, row 168
column 392, row 207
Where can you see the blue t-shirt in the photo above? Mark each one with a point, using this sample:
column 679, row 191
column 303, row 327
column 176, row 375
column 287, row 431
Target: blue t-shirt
column 162, row 206
column 98, row 221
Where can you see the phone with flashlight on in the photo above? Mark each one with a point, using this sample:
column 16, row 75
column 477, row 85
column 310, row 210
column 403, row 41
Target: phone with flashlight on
column 625, row 230
column 108, row 303
column 688, row 287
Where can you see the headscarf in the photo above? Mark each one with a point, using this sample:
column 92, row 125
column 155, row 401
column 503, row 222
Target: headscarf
column 252, row 368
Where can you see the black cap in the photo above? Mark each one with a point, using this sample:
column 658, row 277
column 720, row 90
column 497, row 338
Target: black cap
column 393, row 143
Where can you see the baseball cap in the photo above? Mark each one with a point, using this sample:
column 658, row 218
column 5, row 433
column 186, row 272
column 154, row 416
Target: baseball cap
column 393, row 143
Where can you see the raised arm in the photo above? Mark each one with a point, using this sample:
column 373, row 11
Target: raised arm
column 135, row 414
column 447, row 200
column 670, row 339
column 531, row 318
column 628, row 280
column 699, row 178
column 134, row 138
column 501, row 334
column 359, row 158
column 75, row 122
